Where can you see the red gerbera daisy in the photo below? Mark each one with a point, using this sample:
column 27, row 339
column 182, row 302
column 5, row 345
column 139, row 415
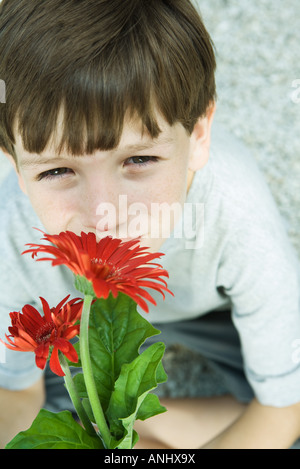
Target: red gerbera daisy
column 32, row 332
column 111, row 265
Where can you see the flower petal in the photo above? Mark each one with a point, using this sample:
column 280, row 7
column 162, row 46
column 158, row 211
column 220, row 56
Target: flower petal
column 101, row 287
column 110, row 264
column 31, row 319
column 46, row 309
column 67, row 349
column 55, row 366
column 41, row 355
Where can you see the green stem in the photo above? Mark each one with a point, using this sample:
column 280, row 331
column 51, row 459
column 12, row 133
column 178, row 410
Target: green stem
column 74, row 396
column 88, row 373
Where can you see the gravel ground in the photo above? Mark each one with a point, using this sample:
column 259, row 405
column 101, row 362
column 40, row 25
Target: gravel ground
column 258, row 77
column 258, row 56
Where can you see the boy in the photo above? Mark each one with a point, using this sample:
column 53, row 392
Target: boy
column 114, row 98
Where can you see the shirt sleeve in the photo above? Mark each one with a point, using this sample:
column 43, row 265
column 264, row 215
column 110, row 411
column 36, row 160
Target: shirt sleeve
column 17, row 369
column 260, row 274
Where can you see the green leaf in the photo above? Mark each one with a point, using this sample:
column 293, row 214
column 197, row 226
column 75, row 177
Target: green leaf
column 136, row 380
column 116, row 333
column 150, row 407
column 123, row 377
column 54, row 431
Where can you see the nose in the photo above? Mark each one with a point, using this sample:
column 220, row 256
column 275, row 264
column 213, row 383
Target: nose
column 99, row 204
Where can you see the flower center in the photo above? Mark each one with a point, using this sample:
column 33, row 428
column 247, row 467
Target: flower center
column 105, row 270
column 44, row 333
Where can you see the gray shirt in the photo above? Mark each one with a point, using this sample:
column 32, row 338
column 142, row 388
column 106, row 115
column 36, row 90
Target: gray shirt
column 229, row 250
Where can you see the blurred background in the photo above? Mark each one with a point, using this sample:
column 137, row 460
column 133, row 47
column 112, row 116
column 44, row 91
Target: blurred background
column 258, row 81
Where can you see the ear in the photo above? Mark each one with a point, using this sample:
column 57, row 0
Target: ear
column 200, row 140
column 15, row 166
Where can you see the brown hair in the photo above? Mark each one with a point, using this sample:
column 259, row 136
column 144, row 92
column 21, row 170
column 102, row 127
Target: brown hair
column 98, row 60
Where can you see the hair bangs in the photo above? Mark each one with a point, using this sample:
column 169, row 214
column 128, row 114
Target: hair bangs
column 88, row 113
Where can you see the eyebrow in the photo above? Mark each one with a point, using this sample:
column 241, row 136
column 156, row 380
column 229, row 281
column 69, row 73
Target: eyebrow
column 40, row 160
column 37, row 160
column 146, row 146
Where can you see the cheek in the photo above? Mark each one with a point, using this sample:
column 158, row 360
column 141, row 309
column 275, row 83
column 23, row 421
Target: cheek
column 52, row 218
column 172, row 187
column 154, row 212
column 55, row 213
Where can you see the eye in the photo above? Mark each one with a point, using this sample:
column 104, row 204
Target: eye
column 54, row 173
column 140, row 161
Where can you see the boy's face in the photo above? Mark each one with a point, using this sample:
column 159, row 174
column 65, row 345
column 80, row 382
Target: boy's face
column 117, row 192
